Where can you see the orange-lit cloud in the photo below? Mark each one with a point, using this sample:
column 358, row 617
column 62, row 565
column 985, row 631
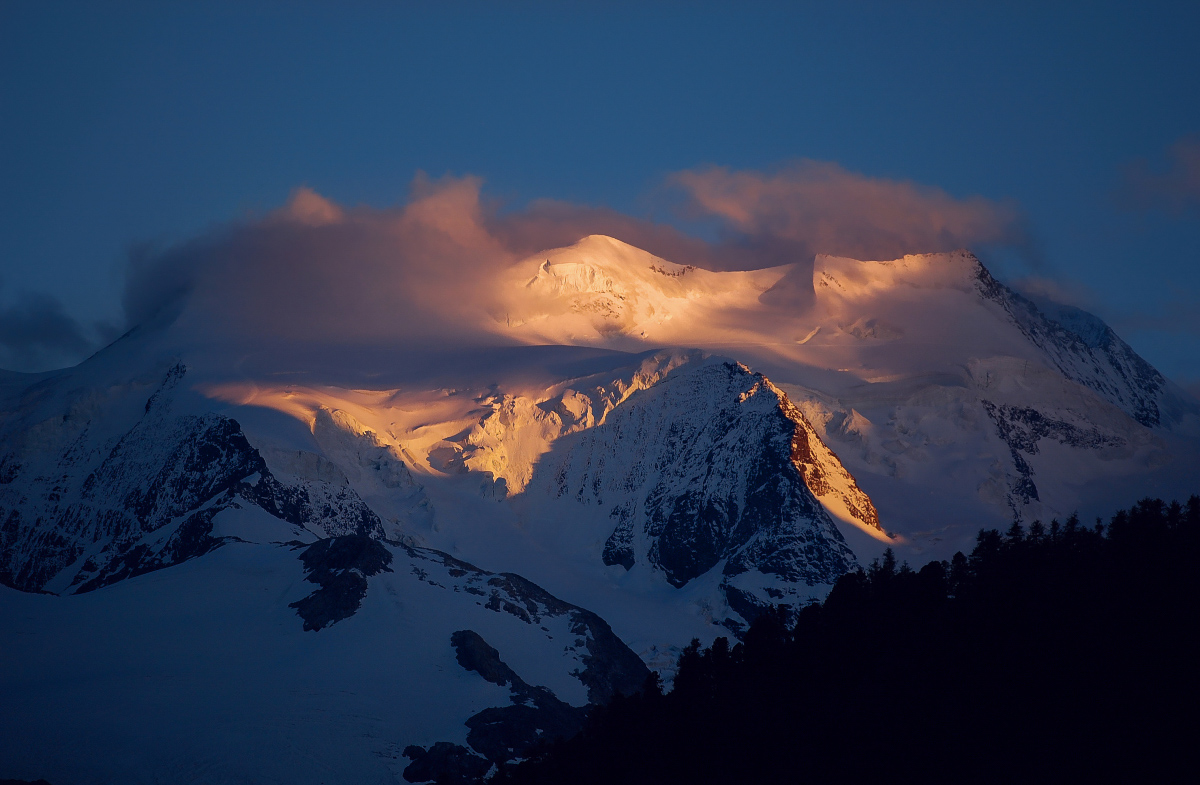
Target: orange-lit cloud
column 813, row 207
column 313, row 271
column 309, row 207
column 424, row 272
column 427, row 272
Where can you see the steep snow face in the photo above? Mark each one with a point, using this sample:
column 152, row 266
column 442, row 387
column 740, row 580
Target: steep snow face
column 509, row 441
column 1087, row 351
column 922, row 297
column 944, row 456
column 977, row 397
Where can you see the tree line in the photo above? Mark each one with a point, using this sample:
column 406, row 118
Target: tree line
column 1059, row 652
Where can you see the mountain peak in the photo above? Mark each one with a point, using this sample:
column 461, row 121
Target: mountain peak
column 601, row 288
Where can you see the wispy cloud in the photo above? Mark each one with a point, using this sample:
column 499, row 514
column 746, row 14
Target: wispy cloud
column 1173, row 188
column 814, row 207
column 314, row 271
column 1071, row 293
column 425, row 271
column 1192, row 385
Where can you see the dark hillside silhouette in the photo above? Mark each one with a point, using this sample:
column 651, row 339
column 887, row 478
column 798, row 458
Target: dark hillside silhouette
column 1059, row 653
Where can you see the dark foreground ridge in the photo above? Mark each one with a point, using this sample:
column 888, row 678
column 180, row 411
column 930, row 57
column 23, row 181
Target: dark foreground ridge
column 1055, row 654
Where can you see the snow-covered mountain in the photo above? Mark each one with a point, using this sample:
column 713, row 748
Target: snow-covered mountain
column 677, row 463
column 135, row 462
column 670, row 448
column 929, row 378
column 110, row 489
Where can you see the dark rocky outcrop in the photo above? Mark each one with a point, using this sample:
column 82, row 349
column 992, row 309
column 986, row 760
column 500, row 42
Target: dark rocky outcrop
column 499, row 734
column 503, row 733
column 445, row 763
column 744, row 604
column 610, row 667
column 341, row 566
column 474, row 654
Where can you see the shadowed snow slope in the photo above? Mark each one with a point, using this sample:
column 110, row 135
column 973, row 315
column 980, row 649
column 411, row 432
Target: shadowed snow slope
column 203, row 674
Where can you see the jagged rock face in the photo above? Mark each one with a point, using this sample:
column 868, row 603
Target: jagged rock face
column 710, row 465
column 445, row 762
column 649, row 429
column 126, row 503
column 698, row 465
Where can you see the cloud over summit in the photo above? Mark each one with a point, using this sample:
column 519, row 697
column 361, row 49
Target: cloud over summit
column 314, row 271
column 815, row 207
column 426, row 271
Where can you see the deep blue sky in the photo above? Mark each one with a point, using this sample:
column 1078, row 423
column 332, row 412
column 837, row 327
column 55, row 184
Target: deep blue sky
column 130, row 123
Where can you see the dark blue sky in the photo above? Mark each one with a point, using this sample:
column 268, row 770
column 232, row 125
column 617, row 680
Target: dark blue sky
column 123, row 124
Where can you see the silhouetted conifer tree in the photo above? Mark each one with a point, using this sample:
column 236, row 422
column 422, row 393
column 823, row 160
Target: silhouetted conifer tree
column 1064, row 654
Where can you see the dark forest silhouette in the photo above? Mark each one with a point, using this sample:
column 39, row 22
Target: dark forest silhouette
column 1055, row 653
